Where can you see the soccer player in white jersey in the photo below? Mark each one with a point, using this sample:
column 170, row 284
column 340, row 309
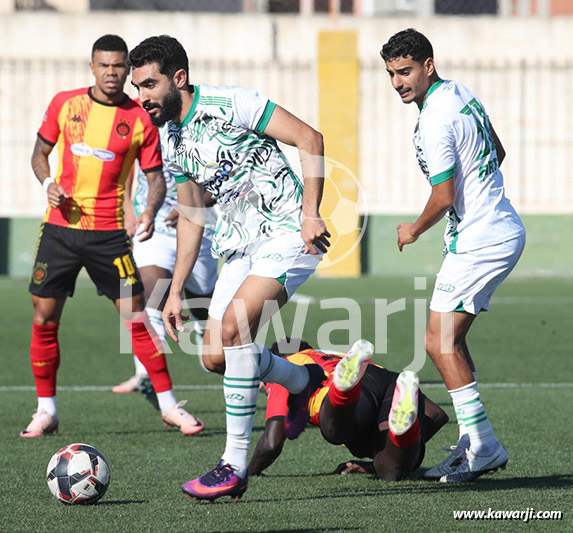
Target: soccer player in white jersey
column 269, row 230
column 460, row 155
column 155, row 259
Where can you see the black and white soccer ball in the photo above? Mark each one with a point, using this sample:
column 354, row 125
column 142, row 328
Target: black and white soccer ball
column 78, row 474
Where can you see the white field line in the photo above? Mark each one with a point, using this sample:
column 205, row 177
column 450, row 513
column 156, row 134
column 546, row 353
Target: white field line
column 508, row 300
column 90, row 388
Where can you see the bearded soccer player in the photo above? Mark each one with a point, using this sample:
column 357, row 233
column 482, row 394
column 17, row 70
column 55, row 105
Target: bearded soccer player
column 460, row 155
column 99, row 132
column 224, row 139
column 373, row 412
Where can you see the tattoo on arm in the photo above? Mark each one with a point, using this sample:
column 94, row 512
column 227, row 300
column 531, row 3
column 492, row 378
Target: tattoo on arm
column 157, row 190
column 40, row 164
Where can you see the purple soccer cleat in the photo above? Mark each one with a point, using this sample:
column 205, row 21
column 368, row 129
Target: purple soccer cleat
column 298, row 413
column 221, row 481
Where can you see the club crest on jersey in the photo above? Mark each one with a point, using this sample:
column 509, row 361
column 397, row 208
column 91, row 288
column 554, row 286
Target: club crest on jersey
column 40, row 273
column 123, row 129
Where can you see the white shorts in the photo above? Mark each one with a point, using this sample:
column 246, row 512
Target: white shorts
column 161, row 250
column 281, row 258
column 467, row 281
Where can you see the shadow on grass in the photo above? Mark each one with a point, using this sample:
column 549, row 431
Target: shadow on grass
column 562, row 481
column 121, row 502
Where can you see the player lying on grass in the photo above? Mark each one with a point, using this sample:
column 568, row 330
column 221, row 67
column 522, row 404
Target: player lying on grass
column 372, row 411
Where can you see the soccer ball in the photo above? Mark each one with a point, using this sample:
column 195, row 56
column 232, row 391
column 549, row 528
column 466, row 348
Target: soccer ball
column 78, row 474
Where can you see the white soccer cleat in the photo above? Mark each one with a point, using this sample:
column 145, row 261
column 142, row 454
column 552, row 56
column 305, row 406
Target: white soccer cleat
column 404, row 410
column 474, row 466
column 130, row 385
column 351, row 368
column 179, row 418
column 448, row 465
column 42, row 424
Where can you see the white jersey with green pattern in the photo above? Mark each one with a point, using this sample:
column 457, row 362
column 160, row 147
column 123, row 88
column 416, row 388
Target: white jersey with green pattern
column 453, row 139
column 220, row 145
column 170, row 202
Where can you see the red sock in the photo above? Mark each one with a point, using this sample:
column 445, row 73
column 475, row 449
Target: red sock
column 45, row 357
column 339, row 398
column 144, row 347
column 408, row 439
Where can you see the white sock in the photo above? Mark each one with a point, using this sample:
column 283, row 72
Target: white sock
column 157, row 323
column 139, row 368
column 275, row 369
column 166, row 400
column 470, row 410
column 48, row 404
column 464, row 439
column 241, row 389
column 199, row 327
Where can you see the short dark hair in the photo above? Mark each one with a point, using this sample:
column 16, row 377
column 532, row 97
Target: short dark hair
column 164, row 50
column 283, row 348
column 110, row 43
column 408, row 43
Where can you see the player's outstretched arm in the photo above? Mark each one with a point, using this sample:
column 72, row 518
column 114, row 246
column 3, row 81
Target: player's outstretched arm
column 41, row 167
column 190, row 227
column 440, row 201
column 285, row 127
column 269, row 447
column 155, row 198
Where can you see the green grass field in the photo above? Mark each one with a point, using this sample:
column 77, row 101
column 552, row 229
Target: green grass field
column 522, row 348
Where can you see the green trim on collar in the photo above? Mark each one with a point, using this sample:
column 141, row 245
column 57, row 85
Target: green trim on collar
column 432, row 88
column 191, row 111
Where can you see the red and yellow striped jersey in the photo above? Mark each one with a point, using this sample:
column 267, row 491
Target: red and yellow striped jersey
column 97, row 145
column 277, row 395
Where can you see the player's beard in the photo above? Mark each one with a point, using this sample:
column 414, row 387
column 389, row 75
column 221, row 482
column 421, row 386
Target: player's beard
column 170, row 108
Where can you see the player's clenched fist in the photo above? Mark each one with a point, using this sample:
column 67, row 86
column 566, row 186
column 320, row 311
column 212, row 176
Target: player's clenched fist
column 405, row 235
column 56, row 195
column 314, row 234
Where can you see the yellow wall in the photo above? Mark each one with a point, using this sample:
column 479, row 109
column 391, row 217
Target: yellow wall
column 338, row 85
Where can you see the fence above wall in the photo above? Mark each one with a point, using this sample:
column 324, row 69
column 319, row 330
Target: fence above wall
column 530, row 104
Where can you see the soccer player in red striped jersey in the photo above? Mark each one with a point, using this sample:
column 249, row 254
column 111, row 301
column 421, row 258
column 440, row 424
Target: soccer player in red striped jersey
column 99, row 132
column 374, row 412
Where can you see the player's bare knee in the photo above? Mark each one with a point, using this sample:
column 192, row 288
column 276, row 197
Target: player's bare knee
column 432, row 343
column 213, row 364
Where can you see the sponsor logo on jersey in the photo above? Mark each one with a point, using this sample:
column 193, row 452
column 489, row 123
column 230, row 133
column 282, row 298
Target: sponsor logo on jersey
column 76, row 118
column 445, row 287
column 85, row 150
column 123, row 129
column 81, row 149
column 181, row 149
column 40, row 273
column 274, row 257
column 103, row 155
